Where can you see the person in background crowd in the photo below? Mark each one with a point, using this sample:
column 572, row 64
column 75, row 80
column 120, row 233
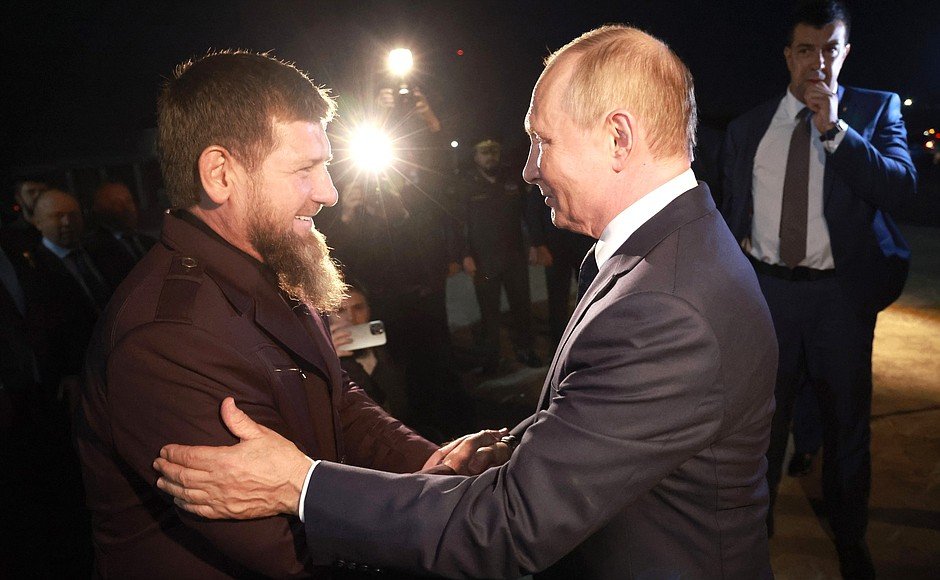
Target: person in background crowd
column 372, row 368
column 116, row 242
column 21, row 235
column 494, row 255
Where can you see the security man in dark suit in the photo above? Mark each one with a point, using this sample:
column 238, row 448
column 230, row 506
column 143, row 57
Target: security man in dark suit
column 493, row 202
column 809, row 180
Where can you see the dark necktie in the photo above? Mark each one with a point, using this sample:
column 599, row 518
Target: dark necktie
column 94, row 285
column 795, row 194
column 587, row 273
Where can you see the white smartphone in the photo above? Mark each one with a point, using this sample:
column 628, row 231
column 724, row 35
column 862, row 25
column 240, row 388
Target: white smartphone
column 366, row 335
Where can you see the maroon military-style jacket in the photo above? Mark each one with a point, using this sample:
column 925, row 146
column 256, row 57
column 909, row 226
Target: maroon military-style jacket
column 198, row 320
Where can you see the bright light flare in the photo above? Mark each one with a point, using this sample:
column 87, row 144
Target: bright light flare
column 370, row 149
column 454, row 144
column 908, row 102
column 929, row 145
column 400, row 62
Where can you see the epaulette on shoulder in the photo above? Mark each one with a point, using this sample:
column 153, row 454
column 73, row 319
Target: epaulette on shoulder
column 180, row 287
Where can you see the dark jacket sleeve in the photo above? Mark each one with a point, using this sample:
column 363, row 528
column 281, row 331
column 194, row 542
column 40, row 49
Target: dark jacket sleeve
column 375, row 439
column 879, row 169
column 615, row 428
column 165, row 386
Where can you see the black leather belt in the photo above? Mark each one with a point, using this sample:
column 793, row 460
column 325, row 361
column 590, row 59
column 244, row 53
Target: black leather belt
column 798, row 274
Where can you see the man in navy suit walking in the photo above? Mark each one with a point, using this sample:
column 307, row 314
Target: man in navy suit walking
column 809, row 180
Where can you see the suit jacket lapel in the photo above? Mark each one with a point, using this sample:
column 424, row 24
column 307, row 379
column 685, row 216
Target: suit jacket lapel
column 275, row 316
column 689, row 206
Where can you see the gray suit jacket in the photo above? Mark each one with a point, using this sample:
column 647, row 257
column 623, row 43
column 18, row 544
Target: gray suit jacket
column 646, row 457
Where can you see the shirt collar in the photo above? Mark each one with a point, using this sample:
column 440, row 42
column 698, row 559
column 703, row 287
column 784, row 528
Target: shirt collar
column 56, row 249
column 629, row 220
column 792, row 105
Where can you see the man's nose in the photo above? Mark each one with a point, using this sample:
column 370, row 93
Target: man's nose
column 531, row 170
column 325, row 193
column 819, row 63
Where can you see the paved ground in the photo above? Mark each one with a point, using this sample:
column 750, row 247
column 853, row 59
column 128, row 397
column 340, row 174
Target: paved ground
column 904, row 533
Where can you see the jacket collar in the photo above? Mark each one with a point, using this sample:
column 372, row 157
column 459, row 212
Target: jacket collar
column 248, row 285
column 691, row 205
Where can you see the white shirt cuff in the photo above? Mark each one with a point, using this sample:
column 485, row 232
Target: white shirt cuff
column 303, row 492
column 833, row 144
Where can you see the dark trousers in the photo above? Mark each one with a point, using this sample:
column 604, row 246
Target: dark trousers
column 807, row 422
column 824, row 339
column 515, row 279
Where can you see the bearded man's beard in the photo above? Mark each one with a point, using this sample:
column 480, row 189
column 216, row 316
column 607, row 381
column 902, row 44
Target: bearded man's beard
column 303, row 265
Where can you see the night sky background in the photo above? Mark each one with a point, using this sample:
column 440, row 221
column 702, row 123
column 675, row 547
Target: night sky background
column 82, row 77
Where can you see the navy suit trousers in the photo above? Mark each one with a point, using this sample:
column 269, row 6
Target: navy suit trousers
column 824, row 339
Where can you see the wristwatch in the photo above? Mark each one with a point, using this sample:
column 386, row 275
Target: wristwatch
column 840, row 127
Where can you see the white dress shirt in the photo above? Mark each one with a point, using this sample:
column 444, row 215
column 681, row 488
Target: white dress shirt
column 629, row 220
column 770, row 164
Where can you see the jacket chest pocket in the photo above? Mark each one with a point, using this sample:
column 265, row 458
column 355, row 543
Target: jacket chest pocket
column 304, row 400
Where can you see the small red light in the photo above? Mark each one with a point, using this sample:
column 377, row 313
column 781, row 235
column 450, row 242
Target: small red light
column 459, row 52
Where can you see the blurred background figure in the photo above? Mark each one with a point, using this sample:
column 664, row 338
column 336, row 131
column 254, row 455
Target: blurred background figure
column 561, row 253
column 68, row 294
column 115, row 241
column 373, row 368
column 72, row 290
column 30, row 442
column 20, row 235
column 492, row 199
column 395, row 234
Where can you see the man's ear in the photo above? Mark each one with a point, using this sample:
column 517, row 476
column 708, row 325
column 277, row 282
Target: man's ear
column 622, row 130
column 217, row 173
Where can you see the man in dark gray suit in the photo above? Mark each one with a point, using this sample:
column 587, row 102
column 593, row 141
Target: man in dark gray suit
column 645, row 458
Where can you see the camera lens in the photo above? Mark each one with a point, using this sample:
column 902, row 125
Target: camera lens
column 376, row 328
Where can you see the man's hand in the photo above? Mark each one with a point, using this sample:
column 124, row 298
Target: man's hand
column 824, row 104
column 341, row 335
column 453, row 268
column 385, row 99
column 473, row 454
column 423, row 108
column 540, row 256
column 261, row 476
